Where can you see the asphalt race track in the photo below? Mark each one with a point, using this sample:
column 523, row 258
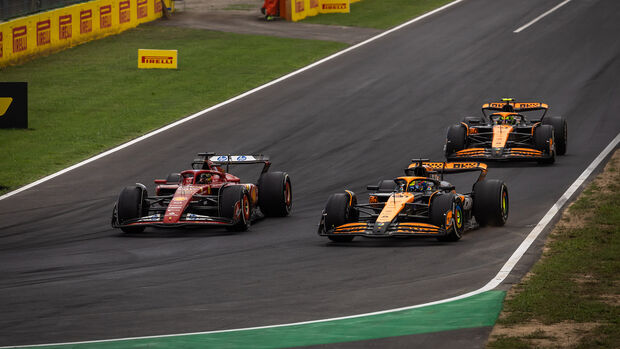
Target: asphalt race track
column 66, row 275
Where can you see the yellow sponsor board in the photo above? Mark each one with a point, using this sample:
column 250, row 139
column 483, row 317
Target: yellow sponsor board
column 163, row 59
column 54, row 30
column 334, row 6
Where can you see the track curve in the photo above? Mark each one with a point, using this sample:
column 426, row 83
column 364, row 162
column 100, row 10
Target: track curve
column 65, row 275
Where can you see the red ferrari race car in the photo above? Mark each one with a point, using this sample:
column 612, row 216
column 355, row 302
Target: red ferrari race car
column 503, row 132
column 206, row 195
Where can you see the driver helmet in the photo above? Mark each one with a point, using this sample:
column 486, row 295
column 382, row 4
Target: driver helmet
column 205, row 178
column 506, row 120
column 418, row 185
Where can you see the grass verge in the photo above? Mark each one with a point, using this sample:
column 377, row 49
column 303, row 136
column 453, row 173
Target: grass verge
column 571, row 298
column 92, row 97
column 380, row 14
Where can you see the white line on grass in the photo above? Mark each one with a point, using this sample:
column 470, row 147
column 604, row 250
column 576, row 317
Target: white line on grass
column 541, row 16
column 496, row 281
column 200, row 113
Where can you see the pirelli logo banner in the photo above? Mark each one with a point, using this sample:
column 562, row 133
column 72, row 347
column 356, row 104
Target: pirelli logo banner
column 335, row 6
column 164, row 59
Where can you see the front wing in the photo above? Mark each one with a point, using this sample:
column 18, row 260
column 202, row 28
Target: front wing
column 395, row 229
column 525, row 154
column 187, row 219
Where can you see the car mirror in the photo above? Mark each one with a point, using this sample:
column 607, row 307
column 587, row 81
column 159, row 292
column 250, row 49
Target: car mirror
column 372, row 187
column 443, row 185
column 160, row 181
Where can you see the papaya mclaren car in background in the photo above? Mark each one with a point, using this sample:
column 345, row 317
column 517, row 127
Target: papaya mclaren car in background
column 420, row 204
column 206, row 195
column 503, row 132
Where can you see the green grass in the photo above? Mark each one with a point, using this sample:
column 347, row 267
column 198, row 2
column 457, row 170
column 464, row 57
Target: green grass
column 380, row 14
column 92, row 97
column 577, row 275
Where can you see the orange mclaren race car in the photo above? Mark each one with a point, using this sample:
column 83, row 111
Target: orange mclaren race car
column 503, row 132
column 206, row 195
column 420, row 204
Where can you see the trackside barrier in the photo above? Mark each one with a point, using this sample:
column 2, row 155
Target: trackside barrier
column 46, row 32
column 297, row 10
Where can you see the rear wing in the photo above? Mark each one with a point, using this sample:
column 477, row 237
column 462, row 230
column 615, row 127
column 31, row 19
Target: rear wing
column 517, row 107
column 509, row 105
column 422, row 166
column 227, row 160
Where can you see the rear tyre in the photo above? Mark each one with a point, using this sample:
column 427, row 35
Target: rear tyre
column 560, row 132
column 455, row 139
column 275, row 194
column 131, row 204
column 339, row 211
column 447, row 211
column 491, row 204
column 543, row 136
column 235, row 204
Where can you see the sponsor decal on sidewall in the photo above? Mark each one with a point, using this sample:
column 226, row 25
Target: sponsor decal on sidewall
column 124, row 12
column 64, row 29
column 20, row 39
column 335, row 6
column 86, row 21
column 44, row 32
column 105, row 16
column 143, row 9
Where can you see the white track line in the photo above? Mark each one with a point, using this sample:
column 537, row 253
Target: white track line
column 200, row 113
column 496, row 281
column 541, row 16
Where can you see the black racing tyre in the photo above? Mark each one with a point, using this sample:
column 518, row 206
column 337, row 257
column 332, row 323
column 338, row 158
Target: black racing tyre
column 491, row 204
column 131, row 204
column 542, row 136
column 448, row 204
column 173, row 178
column 560, row 132
column 455, row 139
column 386, row 186
column 275, row 194
column 235, row 204
column 339, row 211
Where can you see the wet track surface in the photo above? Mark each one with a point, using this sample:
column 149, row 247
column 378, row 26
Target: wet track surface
column 65, row 275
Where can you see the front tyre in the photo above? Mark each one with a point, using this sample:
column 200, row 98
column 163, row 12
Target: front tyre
column 275, row 194
column 338, row 211
column 447, row 212
column 491, row 204
column 235, row 205
column 132, row 204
